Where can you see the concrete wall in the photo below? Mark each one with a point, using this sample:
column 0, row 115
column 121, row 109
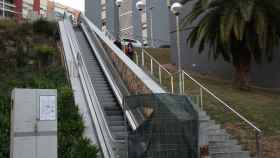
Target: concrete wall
column 112, row 21
column 160, row 22
column 130, row 20
column 265, row 75
column 93, row 11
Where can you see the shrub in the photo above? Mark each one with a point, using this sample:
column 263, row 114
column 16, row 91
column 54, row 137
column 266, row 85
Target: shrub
column 43, row 26
column 44, row 54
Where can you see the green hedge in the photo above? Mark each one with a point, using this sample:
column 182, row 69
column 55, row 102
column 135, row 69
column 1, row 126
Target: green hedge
column 71, row 142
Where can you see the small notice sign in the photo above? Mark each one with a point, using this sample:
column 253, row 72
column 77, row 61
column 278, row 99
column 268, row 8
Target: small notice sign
column 47, row 108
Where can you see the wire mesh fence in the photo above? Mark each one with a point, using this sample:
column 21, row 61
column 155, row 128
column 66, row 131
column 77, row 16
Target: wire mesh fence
column 236, row 125
column 167, row 126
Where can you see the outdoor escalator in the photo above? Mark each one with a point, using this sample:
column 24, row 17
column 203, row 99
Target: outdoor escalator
column 106, row 97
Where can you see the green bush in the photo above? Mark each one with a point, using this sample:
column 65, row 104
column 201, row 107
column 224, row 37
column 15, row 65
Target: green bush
column 45, row 27
column 44, row 53
column 71, row 142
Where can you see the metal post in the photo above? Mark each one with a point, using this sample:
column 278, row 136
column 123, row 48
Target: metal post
column 151, row 18
column 119, row 23
column 152, row 69
column 159, row 74
column 258, row 144
column 183, row 82
column 172, row 85
column 137, row 58
column 143, row 58
column 179, row 54
column 201, row 98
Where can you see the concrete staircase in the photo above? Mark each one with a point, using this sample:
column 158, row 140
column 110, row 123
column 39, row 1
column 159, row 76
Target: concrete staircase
column 221, row 144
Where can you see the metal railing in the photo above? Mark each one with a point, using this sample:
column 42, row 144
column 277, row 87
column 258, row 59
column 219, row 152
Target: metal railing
column 207, row 97
column 192, row 87
column 155, row 69
column 153, row 86
column 109, row 143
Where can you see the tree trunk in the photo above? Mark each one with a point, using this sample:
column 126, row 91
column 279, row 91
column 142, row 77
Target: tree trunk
column 242, row 65
column 242, row 76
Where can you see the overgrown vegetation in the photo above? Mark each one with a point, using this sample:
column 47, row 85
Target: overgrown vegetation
column 32, row 60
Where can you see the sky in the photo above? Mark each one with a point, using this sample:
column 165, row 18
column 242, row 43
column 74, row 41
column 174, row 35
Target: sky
column 76, row 4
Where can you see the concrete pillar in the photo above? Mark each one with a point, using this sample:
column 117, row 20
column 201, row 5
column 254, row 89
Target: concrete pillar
column 36, row 6
column 112, row 18
column 18, row 10
column 93, row 11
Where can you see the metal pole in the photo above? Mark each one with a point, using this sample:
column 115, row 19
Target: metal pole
column 258, row 144
column 152, row 67
column 201, row 98
column 3, row 5
column 172, row 84
column 183, row 82
column 151, row 18
column 179, row 54
column 119, row 23
column 137, row 60
column 143, row 58
column 159, row 74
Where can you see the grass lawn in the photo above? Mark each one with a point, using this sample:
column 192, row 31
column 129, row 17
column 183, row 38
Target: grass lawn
column 260, row 107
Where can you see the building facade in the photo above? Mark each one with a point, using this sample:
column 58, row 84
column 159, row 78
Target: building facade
column 265, row 75
column 151, row 26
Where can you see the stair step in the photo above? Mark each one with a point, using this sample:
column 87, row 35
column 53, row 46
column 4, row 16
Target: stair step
column 114, row 112
column 115, row 118
column 116, row 123
column 240, row 154
column 225, row 148
column 118, row 128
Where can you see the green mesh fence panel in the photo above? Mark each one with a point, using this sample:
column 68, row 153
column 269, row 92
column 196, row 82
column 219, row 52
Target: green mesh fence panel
column 167, row 127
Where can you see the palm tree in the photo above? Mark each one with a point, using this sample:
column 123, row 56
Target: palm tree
column 238, row 30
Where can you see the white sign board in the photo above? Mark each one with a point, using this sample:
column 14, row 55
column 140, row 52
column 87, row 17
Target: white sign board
column 47, row 108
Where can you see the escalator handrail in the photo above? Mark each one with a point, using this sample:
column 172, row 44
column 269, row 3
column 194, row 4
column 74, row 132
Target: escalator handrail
column 112, row 81
column 68, row 40
column 153, row 86
column 119, row 94
column 83, row 66
column 84, row 76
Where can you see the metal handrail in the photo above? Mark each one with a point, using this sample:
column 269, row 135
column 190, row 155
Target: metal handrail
column 152, row 61
column 73, row 36
column 93, row 97
column 185, row 74
column 107, row 67
column 221, row 101
column 138, row 72
column 86, row 92
column 112, row 80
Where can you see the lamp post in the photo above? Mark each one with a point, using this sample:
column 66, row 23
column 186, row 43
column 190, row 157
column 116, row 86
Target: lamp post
column 118, row 4
column 151, row 7
column 168, row 3
column 176, row 8
column 141, row 6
